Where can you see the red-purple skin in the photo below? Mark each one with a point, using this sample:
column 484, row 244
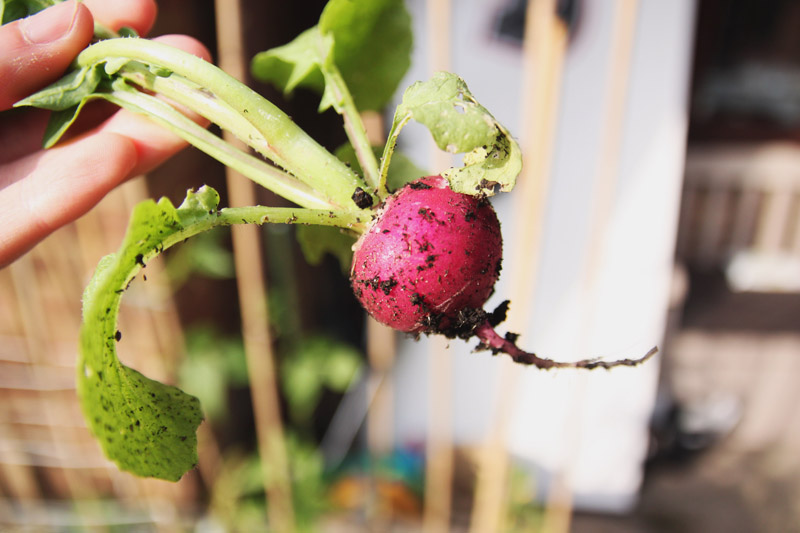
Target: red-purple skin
column 429, row 253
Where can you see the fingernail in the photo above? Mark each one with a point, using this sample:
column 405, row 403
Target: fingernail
column 51, row 24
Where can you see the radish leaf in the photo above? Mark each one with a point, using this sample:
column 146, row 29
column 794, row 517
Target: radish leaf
column 146, row 427
column 370, row 48
column 292, row 65
column 65, row 98
column 67, row 92
column 459, row 124
column 59, row 123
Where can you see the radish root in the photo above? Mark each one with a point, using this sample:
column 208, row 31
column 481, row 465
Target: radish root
column 491, row 340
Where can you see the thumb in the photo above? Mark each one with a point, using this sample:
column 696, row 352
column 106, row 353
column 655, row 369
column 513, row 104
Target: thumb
column 36, row 50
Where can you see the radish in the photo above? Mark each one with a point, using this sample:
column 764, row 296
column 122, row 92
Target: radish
column 428, row 262
column 430, row 258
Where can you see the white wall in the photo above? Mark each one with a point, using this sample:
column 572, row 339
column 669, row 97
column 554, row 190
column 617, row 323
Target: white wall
column 590, row 426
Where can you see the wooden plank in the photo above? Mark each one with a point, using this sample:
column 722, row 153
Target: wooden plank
column 712, row 226
column 439, row 443
column 745, row 218
column 773, row 220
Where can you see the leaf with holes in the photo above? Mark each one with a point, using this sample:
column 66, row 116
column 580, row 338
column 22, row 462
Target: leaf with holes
column 459, row 124
column 146, row 427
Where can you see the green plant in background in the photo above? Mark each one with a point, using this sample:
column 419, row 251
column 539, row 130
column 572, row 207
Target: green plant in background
column 206, row 255
column 524, row 513
column 214, row 364
column 237, row 496
column 316, row 363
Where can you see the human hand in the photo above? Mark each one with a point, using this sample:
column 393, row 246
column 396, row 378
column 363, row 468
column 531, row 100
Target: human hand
column 42, row 190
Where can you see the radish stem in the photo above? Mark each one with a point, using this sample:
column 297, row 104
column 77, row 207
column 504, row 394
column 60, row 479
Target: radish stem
column 267, row 176
column 296, row 150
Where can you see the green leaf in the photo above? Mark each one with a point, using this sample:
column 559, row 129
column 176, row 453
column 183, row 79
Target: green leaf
column 459, row 124
column 343, row 364
column 66, row 98
column 68, row 91
column 317, row 241
column 198, row 205
column 213, row 364
column 318, row 362
column 292, row 65
column 302, row 386
column 488, row 167
column 58, row 124
column 370, row 47
column 146, row 427
column 445, row 106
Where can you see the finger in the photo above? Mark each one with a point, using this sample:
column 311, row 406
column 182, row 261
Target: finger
column 137, row 14
column 56, row 186
column 187, row 44
column 153, row 143
column 50, row 188
column 37, row 50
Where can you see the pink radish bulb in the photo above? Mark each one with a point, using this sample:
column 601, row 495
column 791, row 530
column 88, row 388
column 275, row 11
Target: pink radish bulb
column 429, row 260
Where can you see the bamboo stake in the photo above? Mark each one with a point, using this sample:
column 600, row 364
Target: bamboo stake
column 439, row 443
column 558, row 514
column 381, row 350
column 381, row 355
column 605, row 183
column 544, row 48
column 252, row 290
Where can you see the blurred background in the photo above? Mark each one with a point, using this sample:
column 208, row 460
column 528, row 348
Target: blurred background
column 659, row 205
